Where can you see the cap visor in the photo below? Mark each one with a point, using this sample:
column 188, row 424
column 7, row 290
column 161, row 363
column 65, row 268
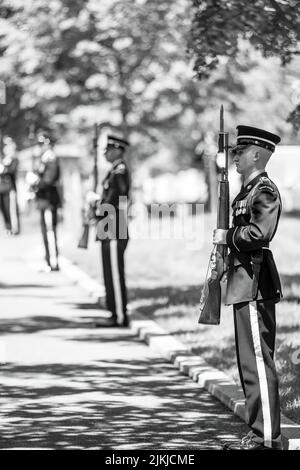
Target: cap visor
column 238, row 147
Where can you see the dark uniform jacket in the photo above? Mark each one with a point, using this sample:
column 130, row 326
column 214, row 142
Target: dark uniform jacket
column 252, row 273
column 8, row 175
column 47, row 193
column 113, row 220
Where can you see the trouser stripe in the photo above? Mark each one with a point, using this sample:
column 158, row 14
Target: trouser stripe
column 262, row 376
column 50, row 237
column 13, row 211
column 116, row 278
column 4, row 203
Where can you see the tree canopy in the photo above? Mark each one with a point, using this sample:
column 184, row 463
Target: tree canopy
column 67, row 63
column 271, row 26
column 77, row 61
column 220, row 29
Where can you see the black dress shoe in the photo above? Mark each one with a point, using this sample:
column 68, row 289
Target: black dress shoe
column 109, row 323
column 102, row 304
column 55, row 268
column 125, row 322
column 246, row 444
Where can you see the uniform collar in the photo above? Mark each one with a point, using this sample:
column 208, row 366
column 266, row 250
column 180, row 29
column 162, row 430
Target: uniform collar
column 251, row 183
column 117, row 162
column 251, row 177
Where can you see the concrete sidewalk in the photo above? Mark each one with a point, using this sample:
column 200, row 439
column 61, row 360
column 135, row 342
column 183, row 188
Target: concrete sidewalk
column 67, row 385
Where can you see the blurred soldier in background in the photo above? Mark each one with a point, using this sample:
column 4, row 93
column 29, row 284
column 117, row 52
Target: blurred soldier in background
column 112, row 229
column 44, row 180
column 8, row 188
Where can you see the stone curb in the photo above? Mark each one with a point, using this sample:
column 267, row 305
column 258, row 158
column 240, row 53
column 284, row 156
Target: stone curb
column 94, row 288
column 218, row 384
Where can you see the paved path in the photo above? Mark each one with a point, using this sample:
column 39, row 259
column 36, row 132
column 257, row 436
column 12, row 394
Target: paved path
column 66, row 385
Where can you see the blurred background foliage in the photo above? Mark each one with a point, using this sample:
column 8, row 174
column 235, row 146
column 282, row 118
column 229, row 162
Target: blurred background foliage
column 158, row 70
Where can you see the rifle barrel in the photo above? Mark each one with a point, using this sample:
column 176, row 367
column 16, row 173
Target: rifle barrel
column 95, row 157
column 222, row 118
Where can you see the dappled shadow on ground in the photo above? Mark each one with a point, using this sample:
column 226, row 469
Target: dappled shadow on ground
column 168, row 294
column 115, row 404
column 38, row 323
column 87, row 306
column 284, row 329
column 288, row 367
column 162, row 303
column 24, row 286
column 120, row 335
column 89, row 389
column 35, row 324
column 222, row 357
column 291, row 287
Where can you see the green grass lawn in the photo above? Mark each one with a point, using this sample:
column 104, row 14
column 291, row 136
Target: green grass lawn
column 164, row 280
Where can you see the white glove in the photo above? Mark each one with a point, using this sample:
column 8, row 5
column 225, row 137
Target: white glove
column 7, row 161
column 92, row 197
column 1, row 168
column 31, row 178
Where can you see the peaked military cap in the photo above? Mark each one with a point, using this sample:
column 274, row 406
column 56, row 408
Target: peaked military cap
column 247, row 135
column 116, row 142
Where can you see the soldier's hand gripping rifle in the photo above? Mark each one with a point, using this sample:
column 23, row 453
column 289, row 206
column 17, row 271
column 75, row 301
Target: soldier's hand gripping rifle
column 89, row 211
column 210, row 301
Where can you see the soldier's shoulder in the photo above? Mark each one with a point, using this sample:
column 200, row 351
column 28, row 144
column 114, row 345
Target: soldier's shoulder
column 120, row 169
column 266, row 186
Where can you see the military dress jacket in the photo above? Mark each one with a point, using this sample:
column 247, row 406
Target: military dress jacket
column 47, row 193
column 112, row 209
column 8, row 174
column 252, row 273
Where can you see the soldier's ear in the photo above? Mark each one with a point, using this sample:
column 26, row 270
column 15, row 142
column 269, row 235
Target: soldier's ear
column 257, row 156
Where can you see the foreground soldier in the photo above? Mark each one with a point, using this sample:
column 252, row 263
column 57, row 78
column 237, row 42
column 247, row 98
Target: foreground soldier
column 253, row 286
column 44, row 182
column 8, row 188
column 112, row 229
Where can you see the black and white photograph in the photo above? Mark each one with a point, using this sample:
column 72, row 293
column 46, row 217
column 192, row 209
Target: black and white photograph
column 149, row 228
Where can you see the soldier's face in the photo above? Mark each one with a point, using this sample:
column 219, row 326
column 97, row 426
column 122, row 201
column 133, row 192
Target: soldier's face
column 112, row 154
column 244, row 160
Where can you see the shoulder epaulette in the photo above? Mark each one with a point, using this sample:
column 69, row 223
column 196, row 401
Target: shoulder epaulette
column 120, row 169
column 266, row 185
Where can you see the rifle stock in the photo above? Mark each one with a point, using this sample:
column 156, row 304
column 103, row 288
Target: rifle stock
column 210, row 301
column 84, row 239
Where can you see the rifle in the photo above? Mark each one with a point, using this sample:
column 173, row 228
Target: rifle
column 32, row 176
column 89, row 213
column 210, row 301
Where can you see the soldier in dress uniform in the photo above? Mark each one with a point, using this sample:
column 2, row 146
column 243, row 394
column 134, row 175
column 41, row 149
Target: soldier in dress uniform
column 44, row 181
column 8, row 188
column 112, row 229
column 253, row 286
